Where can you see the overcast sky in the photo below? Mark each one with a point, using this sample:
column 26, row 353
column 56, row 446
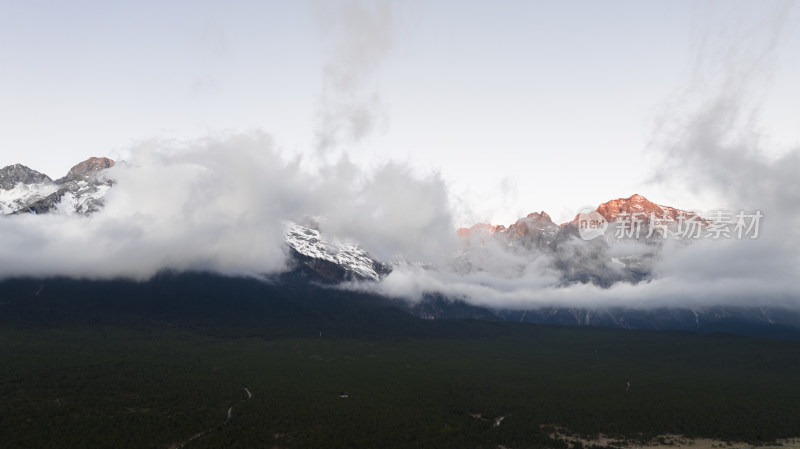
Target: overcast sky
column 520, row 106
column 394, row 123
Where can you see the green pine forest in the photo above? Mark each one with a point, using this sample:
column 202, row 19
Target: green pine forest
column 150, row 373
column 120, row 387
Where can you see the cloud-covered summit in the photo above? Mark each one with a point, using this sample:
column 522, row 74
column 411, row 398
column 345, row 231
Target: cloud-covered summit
column 220, row 204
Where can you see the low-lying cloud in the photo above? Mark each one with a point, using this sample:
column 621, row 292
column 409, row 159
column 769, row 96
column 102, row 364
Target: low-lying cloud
column 708, row 141
column 220, row 204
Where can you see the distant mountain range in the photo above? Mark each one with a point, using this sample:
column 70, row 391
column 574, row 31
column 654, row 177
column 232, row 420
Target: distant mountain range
column 81, row 190
column 318, row 258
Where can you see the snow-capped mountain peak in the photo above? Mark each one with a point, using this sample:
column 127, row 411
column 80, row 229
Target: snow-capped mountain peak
column 88, row 168
column 81, row 191
column 637, row 205
column 23, row 194
column 13, row 175
column 345, row 260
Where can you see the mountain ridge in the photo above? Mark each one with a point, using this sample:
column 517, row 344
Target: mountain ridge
column 80, row 191
column 322, row 259
column 610, row 210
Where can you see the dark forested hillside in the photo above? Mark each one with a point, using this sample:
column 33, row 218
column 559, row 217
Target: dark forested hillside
column 123, row 364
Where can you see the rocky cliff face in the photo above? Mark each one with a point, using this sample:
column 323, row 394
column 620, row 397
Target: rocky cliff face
column 81, row 191
column 329, row 261
column 21, row 186
column 508, row 250
column 638, row 218
column 635, row 219
column 83, row 188
column 536, row 230
column 635, row 205
column 13, row 175
column 87, row 168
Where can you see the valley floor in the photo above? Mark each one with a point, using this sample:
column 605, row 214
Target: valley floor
column 153, row 385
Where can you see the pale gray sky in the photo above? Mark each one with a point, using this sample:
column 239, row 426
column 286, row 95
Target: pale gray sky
column 521, row 106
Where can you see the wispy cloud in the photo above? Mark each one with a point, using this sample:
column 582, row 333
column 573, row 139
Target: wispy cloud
column 350, row 107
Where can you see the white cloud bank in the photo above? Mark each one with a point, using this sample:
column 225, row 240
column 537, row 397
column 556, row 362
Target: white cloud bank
column 219, row 204
column 707, row 140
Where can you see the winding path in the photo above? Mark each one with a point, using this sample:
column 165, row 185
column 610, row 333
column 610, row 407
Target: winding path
column 204, row 433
